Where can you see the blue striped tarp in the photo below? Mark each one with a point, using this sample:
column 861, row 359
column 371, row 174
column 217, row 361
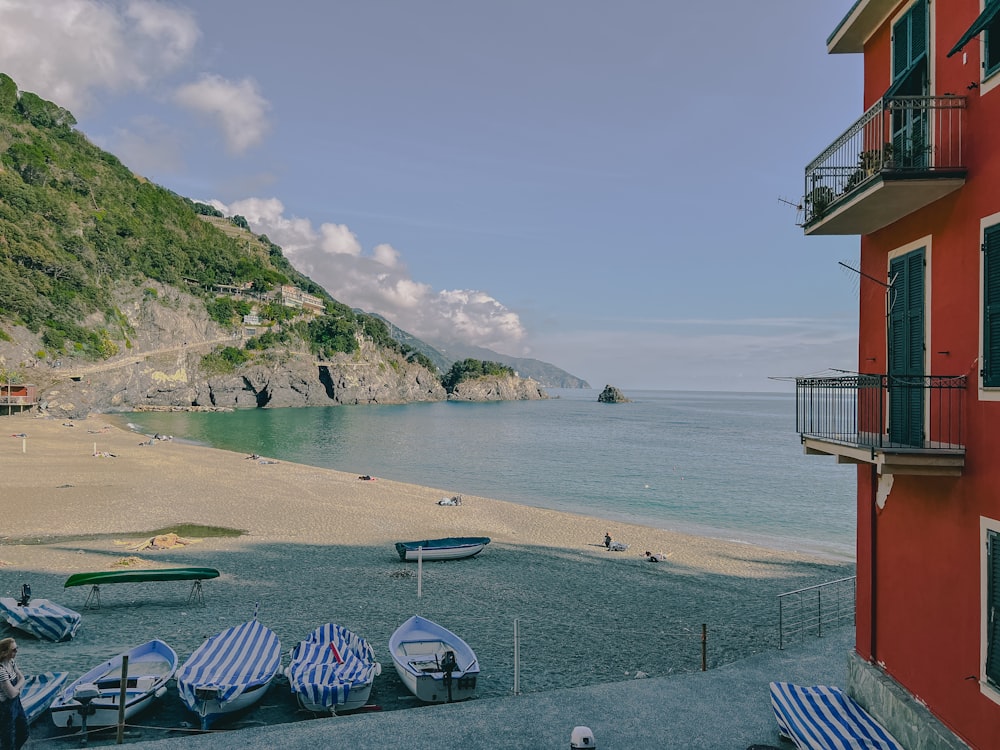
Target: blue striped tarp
column 826, row 718
column 316, row 673
column 230, row 662
column 42, row 618
column 39, row 691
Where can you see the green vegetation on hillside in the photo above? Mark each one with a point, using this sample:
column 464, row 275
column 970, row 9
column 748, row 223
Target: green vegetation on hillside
column 76, row 224
column 469, row 369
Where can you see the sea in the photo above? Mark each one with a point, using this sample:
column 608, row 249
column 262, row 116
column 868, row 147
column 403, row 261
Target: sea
column 719, row 464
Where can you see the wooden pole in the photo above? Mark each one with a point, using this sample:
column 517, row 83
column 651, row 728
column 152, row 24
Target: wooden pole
column 420, row 571
column 121, row 701
column 704, row 647
column 517, row 659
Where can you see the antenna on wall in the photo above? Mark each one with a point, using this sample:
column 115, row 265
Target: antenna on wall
column 867, row 276
column 890, row 298
column 797, row 207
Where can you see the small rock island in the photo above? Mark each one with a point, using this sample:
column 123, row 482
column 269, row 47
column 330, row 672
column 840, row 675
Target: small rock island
column 611, row 395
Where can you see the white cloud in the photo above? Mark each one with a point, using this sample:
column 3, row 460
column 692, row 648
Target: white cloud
column 236, row 107
column 379, row 282
column 67, row 50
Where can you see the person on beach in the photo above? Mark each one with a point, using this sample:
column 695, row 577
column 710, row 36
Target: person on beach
column 607, row 540
column 13, row 722
column 655, row 556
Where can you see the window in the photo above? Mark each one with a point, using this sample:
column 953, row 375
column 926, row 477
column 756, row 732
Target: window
column 906, row 348
column 909, row 79
column 991, row 53
column 987, row 24
column 992, row 619
column 991, row 307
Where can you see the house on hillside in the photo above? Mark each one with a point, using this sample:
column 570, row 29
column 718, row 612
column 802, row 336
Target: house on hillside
column 16, row 397
column 292, row 296
column 917, row 178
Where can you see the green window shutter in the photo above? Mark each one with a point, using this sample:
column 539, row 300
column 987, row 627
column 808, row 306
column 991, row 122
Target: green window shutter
column 906, row 349
column 909, row 39
column 900, row 46
column 918, row 30
column 991, row 307
column 915, row 312
column 992, row 616
column 992, row 39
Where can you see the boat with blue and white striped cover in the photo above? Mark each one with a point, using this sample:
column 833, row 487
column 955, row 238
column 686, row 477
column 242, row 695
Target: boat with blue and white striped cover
column 826, row 718
column 39, row 691
column 230, row 671
column 150, row 667
column 42, row 618
column 332, row 670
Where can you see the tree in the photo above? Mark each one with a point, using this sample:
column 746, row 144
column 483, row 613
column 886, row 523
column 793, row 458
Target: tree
column 470, row 369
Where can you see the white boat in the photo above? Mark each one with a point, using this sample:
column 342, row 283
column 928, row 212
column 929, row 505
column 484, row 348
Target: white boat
column 229, row 672
column 40, row 617
column 39, row 691
column 450, row 548
column 332, row 670
column 150, row 666
column 435, row 664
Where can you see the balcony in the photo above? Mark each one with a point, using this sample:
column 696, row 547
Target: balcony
column 904, row 153
column 901, row 424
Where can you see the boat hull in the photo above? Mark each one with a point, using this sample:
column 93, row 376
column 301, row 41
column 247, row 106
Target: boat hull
column 41, row 618
column 150, row 666
column 144, row 575
column 39, row 691
column 332, row 670
column 229, row 672
column 419, row 648
column 211, row 710
column 454, row 548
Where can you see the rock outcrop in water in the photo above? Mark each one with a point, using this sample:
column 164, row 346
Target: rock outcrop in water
column 611, row 395
column 489, row 388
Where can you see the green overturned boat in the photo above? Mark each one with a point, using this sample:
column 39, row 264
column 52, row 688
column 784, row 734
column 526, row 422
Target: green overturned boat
column 145, row 575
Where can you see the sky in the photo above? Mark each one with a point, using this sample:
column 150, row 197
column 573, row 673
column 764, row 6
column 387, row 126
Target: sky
column 601, row 186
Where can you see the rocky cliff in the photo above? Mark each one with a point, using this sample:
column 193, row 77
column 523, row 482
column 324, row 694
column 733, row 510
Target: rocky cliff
column 487, row 388
column 168, row 333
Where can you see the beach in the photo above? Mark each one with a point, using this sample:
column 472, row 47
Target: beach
column 317, row 546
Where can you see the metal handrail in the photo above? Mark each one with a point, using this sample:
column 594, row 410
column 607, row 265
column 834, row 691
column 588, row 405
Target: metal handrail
column 895, row 136
column 803, row 610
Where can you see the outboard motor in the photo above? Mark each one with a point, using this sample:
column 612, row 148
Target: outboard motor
column 582, row 738
column 449, row 664
column 25, row 595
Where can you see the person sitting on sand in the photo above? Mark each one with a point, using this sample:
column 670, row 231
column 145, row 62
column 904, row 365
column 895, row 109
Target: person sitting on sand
column 655, row 556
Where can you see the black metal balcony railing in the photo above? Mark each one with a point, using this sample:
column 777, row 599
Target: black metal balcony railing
column 882, row 411
column 897, row 136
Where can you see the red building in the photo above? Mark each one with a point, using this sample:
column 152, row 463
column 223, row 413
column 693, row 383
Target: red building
column 16, row 397
column 917, row 178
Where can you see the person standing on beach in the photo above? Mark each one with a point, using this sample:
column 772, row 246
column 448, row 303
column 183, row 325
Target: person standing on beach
column 607, row 540
column 13, row 722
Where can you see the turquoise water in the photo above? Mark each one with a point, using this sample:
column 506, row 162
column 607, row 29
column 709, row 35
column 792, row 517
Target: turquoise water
column 726, row 465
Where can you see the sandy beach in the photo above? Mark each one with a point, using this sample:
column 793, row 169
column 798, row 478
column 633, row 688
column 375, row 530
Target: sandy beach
column 317, row 546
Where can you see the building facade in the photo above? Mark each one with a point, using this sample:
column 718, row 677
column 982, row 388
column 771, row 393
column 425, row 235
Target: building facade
column 917, row 178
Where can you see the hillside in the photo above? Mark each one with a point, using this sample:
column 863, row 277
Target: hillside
column 547, row 375
column 444, row 356
column 116, row 293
